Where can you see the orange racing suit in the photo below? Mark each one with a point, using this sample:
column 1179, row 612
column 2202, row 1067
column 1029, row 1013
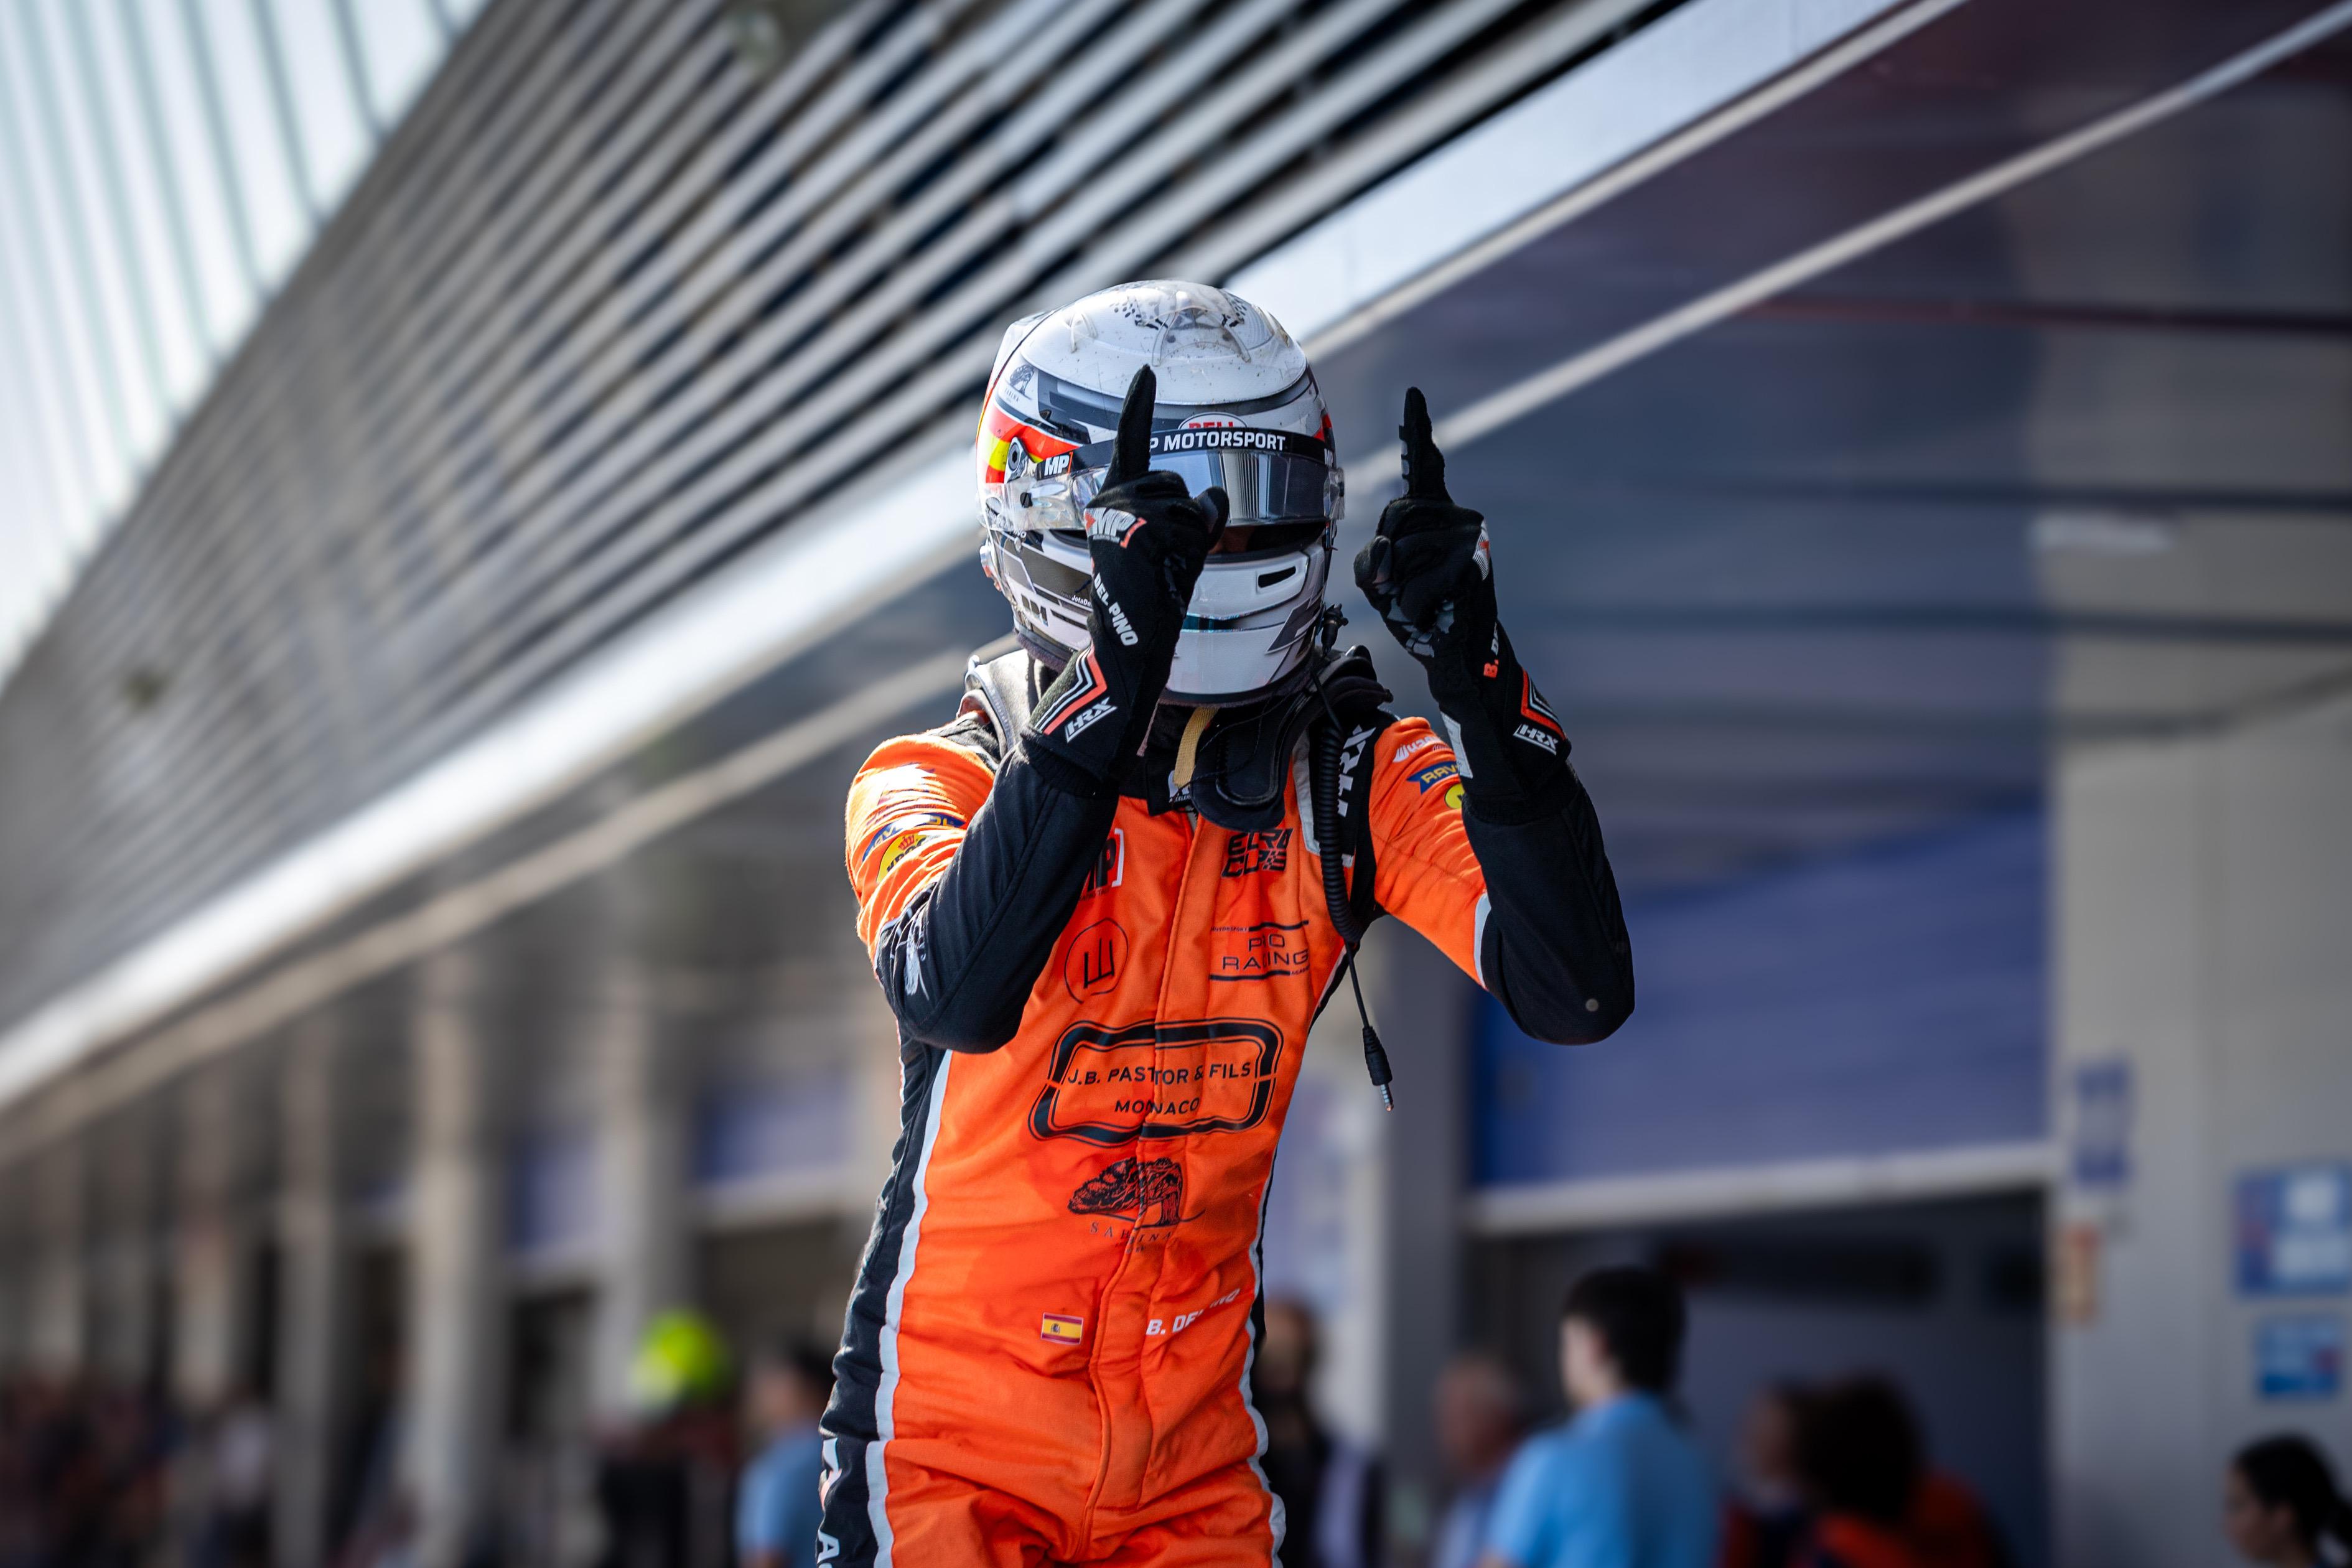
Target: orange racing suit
column 1103, row 1007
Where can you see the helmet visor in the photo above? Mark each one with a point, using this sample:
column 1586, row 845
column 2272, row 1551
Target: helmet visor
column 1268, row 476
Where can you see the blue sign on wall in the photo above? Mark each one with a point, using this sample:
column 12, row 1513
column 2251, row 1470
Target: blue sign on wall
column 2299, row 1357
column 2294, row 1231
column 1890, row 999
column 552, row 1197
column 748, row 1129
column 2101, row 1154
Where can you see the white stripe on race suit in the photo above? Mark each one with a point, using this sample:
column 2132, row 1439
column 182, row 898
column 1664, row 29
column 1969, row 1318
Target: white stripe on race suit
column 1453, row 733
column 1249, row 1365
column 1478, row 938
column 878, row 1476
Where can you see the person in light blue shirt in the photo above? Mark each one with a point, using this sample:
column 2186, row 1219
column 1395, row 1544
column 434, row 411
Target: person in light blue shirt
column 776, row 1502
column 1622, row 1485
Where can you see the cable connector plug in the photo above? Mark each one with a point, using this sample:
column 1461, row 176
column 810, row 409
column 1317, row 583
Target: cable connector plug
column 1376, row 1056
column 1376, row 1062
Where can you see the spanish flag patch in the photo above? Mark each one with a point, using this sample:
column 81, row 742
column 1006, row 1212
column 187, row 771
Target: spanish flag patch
column 1061, row 1330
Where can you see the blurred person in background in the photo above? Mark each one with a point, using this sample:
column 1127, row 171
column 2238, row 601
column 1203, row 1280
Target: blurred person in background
column 1330, row 1490
column 1876, row 1503
column 1622, row 1485
column 83, row 1474
column 1097, row 905
column 135, row 1437
column 776, row 1502
column 373, row 1519
column 55, row 1476
column 242, row 1465
column 2280, row 1505
column 1766, row 1522
column 662, row 1483
column 1481, row 1421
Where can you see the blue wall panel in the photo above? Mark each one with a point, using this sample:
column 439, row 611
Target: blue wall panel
column 1888, row 1000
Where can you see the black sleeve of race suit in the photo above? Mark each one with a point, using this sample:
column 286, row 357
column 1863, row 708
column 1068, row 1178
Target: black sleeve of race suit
column 1554, row 952
column 958, row 966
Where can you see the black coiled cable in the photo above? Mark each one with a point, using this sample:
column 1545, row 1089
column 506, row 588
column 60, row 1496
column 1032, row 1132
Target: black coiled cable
column 1324, row 778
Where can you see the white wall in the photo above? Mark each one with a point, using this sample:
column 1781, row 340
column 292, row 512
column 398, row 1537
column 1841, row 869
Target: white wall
column 2203, row 894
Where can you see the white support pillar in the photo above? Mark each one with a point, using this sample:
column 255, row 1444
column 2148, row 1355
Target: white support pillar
column 646, row 1238
column 18, row 1254
column 128, row 1264
column 314, row 1297
column 2204, row 977
column 212, row 1312
column 456, row 1368
column 1424, row 1009
column 58, row 1317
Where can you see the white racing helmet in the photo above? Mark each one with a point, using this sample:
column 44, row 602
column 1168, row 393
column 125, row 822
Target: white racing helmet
column 1237, row 407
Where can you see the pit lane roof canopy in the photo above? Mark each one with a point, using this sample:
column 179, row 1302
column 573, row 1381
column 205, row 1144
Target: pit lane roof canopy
column 165, row 166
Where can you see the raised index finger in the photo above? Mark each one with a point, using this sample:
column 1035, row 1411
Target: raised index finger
column 1425, row 465
column 1131, row 453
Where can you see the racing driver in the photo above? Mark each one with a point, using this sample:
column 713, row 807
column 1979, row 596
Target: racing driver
column 1106, row 900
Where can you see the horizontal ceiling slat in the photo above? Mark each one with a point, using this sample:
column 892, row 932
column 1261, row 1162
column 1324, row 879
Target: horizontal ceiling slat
column 190, row 604
column 629, row 386
column 172, row 612
column 491, row 380
column 201, row 607
column 343, row 302
column 636, row 467
column 180, row 616
column 219, row 443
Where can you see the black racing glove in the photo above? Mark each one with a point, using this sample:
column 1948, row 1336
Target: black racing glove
column 1428, row 572
column 1147, row 537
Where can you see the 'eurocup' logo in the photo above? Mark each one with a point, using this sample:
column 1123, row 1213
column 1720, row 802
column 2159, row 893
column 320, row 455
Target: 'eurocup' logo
column 1268, row 849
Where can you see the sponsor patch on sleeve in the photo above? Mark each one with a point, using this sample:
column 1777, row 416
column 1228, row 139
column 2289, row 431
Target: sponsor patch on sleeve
column 1436, row 774
column 1414, row 748
column 900, row 847
column 888, row 837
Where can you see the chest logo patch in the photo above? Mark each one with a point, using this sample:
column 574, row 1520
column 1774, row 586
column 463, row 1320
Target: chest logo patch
column 1091, row 967
column 1259, row 951
column 1149, row 1192
column 1111, row 1087
column 1264, row 851
column 1110, row 866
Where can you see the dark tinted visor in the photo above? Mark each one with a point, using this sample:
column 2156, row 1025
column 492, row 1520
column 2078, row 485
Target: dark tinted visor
column 1268, row 476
